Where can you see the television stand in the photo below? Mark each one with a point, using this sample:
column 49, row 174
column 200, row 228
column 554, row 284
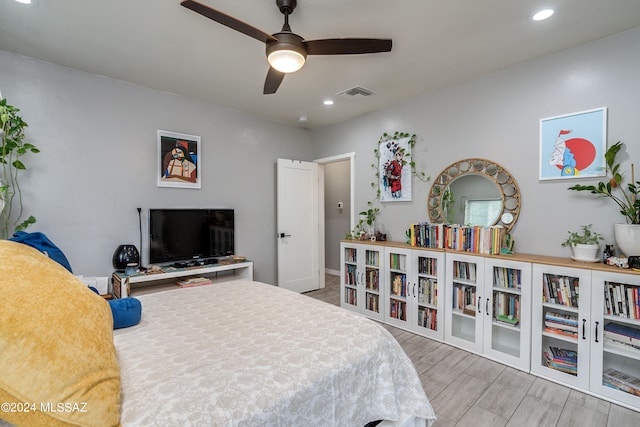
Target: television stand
column 165, row 278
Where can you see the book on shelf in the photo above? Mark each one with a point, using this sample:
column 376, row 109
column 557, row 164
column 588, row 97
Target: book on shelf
column 508, row 319
column 621, row 381
column 465, row 238
column 561, row 332
column 561, row 290
column 624, row 335
column 622, row 300
column 560, row 323
column 561, row 359
column 193, row 281
column 469, row 309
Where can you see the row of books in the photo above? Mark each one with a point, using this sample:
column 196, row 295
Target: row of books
column 464, row 299
column 373, row 258
column 193, row 281
column 465, row 270
column 504, row 277
column 561, row 359
column 428, row 266
column 398, row 262
column 621, row 381
column 506, row 308
column 398, row 309
column 372, row 279
column 350, row 275
column 561, row 324
column 351, row 296
column 622, row 336
column 399, row 284
column 372, row 302
column 466, row 238
column 561, row 290
column 622, row 300
column 350, row 255
column 427, row 291
column 428, row 318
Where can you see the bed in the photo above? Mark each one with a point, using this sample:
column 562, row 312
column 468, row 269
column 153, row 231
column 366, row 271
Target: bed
column 247, row 353
column 240, row 353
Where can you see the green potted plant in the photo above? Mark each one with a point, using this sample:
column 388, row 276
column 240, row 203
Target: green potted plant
column 12, row 148
column 627, row 235
column 584, row 244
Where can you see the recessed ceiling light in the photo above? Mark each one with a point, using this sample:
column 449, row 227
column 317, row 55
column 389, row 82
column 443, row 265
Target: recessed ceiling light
column 328, row 102
column 24, row 1
column 543, row 14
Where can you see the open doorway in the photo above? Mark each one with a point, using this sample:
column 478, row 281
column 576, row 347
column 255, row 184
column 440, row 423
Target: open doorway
column 338, row 194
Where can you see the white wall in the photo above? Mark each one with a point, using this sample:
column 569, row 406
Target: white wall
column 497, row 117
column 97, row 138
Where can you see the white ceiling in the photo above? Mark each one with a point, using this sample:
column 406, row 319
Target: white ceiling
column 436, row 43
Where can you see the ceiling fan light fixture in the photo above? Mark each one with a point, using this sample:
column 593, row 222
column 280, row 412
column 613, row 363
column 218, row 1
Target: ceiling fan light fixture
column 286, row 60
column 286, row 55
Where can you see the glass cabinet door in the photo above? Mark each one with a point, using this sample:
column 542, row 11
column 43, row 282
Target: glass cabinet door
column 371, row 285
column 349, row 279
column 615, row 344
column 360, row 281
column 465, row 304
column 507, row 312
column 426, row 293
column 397, row 274
column 561, row 324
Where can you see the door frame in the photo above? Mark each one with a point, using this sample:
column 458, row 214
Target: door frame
column 351, row 156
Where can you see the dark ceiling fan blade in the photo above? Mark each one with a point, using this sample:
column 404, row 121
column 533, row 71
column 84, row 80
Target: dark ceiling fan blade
column 229, row 21
column 273, row 80
column 346, row 46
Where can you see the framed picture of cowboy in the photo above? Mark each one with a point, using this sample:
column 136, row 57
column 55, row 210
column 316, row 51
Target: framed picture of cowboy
column 178, row 160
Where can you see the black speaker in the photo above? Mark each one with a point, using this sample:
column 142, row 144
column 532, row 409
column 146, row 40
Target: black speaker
column 126, row 258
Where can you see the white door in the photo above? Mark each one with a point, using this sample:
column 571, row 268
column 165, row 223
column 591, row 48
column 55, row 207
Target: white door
column 298, row 225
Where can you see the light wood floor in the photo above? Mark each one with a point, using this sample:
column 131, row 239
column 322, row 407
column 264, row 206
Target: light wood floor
column 469, row 390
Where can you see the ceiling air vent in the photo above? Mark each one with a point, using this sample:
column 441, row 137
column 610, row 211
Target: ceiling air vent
column 356, row 93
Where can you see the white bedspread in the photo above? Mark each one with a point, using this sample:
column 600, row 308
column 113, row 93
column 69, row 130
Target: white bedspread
column 249, row 354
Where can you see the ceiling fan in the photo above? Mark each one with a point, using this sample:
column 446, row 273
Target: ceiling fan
column 287, row 51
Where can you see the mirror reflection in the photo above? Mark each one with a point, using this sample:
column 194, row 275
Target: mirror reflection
column 474, row 192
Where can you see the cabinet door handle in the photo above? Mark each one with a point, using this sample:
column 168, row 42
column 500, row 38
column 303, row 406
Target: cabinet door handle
column 486, row 306
column 597, row 324
column 479, row 302
column 414, row 290
column 584, row 322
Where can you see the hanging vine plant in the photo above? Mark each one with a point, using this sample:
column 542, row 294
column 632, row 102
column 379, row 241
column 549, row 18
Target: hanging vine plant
column 391, row 178
column 12, row 148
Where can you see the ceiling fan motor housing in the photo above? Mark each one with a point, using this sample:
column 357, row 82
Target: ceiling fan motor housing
column 286, row 6
column 288, row 41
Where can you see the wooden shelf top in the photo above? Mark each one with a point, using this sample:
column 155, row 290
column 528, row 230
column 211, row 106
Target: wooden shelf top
column 516, row 256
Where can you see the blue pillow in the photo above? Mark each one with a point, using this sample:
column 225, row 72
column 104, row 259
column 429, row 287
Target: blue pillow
column 42, row 243
column 126, row 312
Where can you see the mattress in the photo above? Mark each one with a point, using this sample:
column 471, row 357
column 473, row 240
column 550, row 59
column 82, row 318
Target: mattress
column 245, row 353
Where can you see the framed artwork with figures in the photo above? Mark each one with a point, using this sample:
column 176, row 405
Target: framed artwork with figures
column 178, row 160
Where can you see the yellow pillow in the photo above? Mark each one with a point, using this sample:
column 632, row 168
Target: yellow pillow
column 58, row 362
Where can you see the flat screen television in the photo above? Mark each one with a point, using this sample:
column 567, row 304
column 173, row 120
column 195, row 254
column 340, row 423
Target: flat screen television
column 190, row 235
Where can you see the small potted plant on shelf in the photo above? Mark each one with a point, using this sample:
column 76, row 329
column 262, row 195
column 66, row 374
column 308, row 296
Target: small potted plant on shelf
column 584, row 244
column 627, row 234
